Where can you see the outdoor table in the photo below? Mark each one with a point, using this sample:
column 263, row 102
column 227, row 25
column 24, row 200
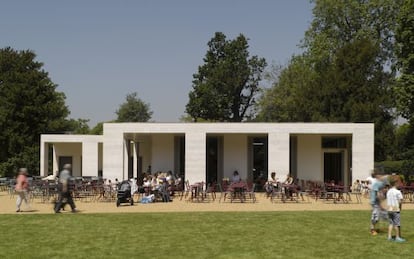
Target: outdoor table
column 339, row 193
column 237, row 190
column 408, row 192
column 289, row 190
column 196, row 189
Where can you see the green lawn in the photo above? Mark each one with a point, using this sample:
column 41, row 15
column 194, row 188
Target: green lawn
column 324, row 234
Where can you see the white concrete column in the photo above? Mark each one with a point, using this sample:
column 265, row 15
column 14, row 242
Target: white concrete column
column 136, row 156
column 278, row 153
column 44, row 157
column 362, row 153
column 89, row 158
column 195, row 157
column 235, row 155
column 55, row 159
column 113, row 155
column 127, row 149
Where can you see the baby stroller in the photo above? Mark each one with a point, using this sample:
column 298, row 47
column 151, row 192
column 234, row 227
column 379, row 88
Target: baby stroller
column 124, row 194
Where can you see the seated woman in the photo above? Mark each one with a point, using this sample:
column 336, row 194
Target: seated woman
column 273, row 180
column 236, row 177
column 288, row 182
column 147, row 181
column 271, row 183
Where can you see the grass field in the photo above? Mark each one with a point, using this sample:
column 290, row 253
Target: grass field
column 325, row 234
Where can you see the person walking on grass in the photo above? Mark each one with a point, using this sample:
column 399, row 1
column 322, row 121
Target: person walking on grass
column 376, row 197
column 394, row 201
column 21, row 188
column 64, row 190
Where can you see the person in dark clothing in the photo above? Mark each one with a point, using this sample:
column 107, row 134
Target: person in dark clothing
column 65, row 196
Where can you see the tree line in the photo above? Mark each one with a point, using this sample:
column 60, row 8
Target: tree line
column 30, row 105
column 356, row 65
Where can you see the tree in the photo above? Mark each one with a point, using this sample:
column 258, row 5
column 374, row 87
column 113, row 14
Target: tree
column 404, row 88
column 290, row 97
column 79, row 126
column 343, row 74
column 134, row 110
column 227, row 84
column 29, row 106
column 98, row 129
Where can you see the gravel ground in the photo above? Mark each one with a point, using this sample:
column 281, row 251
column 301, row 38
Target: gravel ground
column 7, row 206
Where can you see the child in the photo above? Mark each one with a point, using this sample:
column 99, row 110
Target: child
column 394, row 200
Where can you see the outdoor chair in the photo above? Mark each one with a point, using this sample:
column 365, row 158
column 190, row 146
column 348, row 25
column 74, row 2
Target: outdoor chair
column 328, row 192
column 277, row 193
column 209, row 192
column 358, row 195
column 303, row 191
column 3, row 184
column 177, row 189
column 36, row 192
column 224, row 191
column 187, row 190
column 250, row 192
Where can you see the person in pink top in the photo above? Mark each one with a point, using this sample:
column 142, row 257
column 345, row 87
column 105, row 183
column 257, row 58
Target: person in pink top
column 22, row 187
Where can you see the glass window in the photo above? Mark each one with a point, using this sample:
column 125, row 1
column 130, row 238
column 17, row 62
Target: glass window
column 333, row 142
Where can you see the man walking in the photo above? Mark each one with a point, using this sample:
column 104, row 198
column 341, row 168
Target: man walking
column 22, row 188
column 64, row 190
column 376, row 197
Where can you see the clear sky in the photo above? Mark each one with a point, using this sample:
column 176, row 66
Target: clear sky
column 99, row 51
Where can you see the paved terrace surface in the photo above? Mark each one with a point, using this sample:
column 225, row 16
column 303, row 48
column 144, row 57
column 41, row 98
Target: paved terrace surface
column 8, row 206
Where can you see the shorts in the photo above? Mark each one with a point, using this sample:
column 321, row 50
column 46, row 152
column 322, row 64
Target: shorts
column 377, row 214
column 394, row 218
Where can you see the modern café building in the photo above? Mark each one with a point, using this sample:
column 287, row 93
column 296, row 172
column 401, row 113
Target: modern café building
column 342, row 152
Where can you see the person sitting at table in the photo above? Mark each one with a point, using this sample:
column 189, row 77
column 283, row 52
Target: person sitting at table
column 147, row 181
column 288, row 182
column 236, row 177
column 271, row 183
column 273, row 179
column 170, row 177
column 154, row 181
column 296, row 183
column 289, row 179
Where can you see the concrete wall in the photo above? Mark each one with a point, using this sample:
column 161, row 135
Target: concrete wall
column 100, row 156
column 83, row 149
column 309, row 157
column 90, row 160
column 362, row 153
column 115, row 161
column 113, row 154
column 145, row 151
column 73, row 150
column 162, row 152
column 278, row 157
column 195, row 158
column 235, row 155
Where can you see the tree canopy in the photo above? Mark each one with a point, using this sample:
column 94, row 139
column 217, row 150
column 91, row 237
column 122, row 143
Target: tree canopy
column 344, row 72
column 29, row 106
column 404, row 88
column 134, row 110
column 227, row 84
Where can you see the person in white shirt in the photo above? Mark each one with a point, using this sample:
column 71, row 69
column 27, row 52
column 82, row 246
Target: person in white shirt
column 394, row 201
column 236, row 177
